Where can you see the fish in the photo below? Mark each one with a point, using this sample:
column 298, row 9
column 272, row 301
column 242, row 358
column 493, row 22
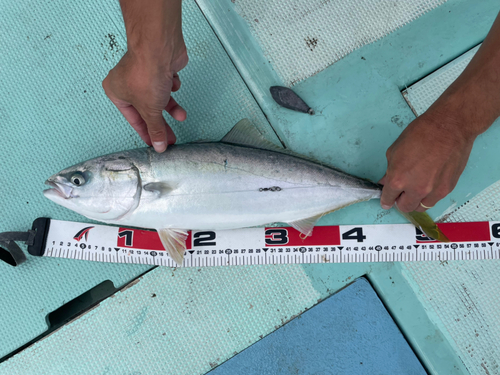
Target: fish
column 242, row 181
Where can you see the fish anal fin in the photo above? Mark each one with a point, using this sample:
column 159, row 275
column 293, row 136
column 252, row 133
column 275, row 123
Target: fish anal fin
column 246, row 134
column 305, row 226
column 174, row 241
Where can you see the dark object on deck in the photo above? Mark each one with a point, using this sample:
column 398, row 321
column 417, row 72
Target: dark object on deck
column 288, row 99
column 12, row 254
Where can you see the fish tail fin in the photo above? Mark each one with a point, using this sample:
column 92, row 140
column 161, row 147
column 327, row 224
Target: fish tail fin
column 424, row 222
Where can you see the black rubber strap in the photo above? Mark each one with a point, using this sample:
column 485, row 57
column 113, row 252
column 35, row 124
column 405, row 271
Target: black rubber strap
column 11, row 253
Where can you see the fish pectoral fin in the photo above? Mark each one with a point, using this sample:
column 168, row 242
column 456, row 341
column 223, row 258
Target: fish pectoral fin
column 305, row 226
column 424, row 222
column 174, row 241
column 160, row 188
column 246, row 134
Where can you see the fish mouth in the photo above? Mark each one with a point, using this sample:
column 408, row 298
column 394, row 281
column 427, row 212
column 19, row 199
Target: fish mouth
column 61, row 190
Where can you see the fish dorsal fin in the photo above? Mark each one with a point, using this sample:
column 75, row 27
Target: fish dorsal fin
column 174, row 241
column 246, row 134
column 305, row 226
column 201, row 141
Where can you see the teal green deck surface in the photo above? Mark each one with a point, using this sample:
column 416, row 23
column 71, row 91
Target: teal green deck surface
column 198, row 319
column 463, row 297
column 53, row 113
column 360, row 112
column 358, row 101
column 173, row 321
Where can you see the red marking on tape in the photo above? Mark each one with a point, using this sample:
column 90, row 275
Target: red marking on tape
column 464, row 232
column 189, row 241
column 321, row 236
column 141, row 239
column 83, row 233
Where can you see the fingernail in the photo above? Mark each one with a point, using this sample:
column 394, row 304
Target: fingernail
column 159, row 146
column 385, row 207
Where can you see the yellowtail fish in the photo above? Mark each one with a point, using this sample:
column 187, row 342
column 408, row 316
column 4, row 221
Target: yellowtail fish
column 242, row 181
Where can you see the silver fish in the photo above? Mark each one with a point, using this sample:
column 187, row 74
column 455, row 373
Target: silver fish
column 242, row 181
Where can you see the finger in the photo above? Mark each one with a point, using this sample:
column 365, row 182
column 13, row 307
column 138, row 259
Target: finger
column 408, row 201
column 382, row 180
column 176, row 83
column 171, row 138
column 128, row 111
column 429, row 201
column 157, row 129
column 136, row 121
column 389, row 195
column 175, row 110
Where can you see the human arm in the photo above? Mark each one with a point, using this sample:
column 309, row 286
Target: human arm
column 140, row 85
column 426, row 161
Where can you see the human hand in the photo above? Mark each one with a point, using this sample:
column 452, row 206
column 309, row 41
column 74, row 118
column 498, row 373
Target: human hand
column 425, row 162
column 141, row 89
column 140, row 85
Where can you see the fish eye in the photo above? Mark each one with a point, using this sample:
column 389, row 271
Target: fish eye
column 77, row 179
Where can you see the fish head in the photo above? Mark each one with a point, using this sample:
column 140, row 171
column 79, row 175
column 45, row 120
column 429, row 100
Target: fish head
column 104, row 189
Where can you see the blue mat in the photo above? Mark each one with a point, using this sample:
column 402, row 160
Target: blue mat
column 349, row 333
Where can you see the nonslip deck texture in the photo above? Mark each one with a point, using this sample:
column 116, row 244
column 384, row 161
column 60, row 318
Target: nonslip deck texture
column 188, row 321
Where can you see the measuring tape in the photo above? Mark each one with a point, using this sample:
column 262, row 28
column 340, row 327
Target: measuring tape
column 276, row 245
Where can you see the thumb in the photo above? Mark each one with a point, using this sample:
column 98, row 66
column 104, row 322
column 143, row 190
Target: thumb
column 161, row 134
